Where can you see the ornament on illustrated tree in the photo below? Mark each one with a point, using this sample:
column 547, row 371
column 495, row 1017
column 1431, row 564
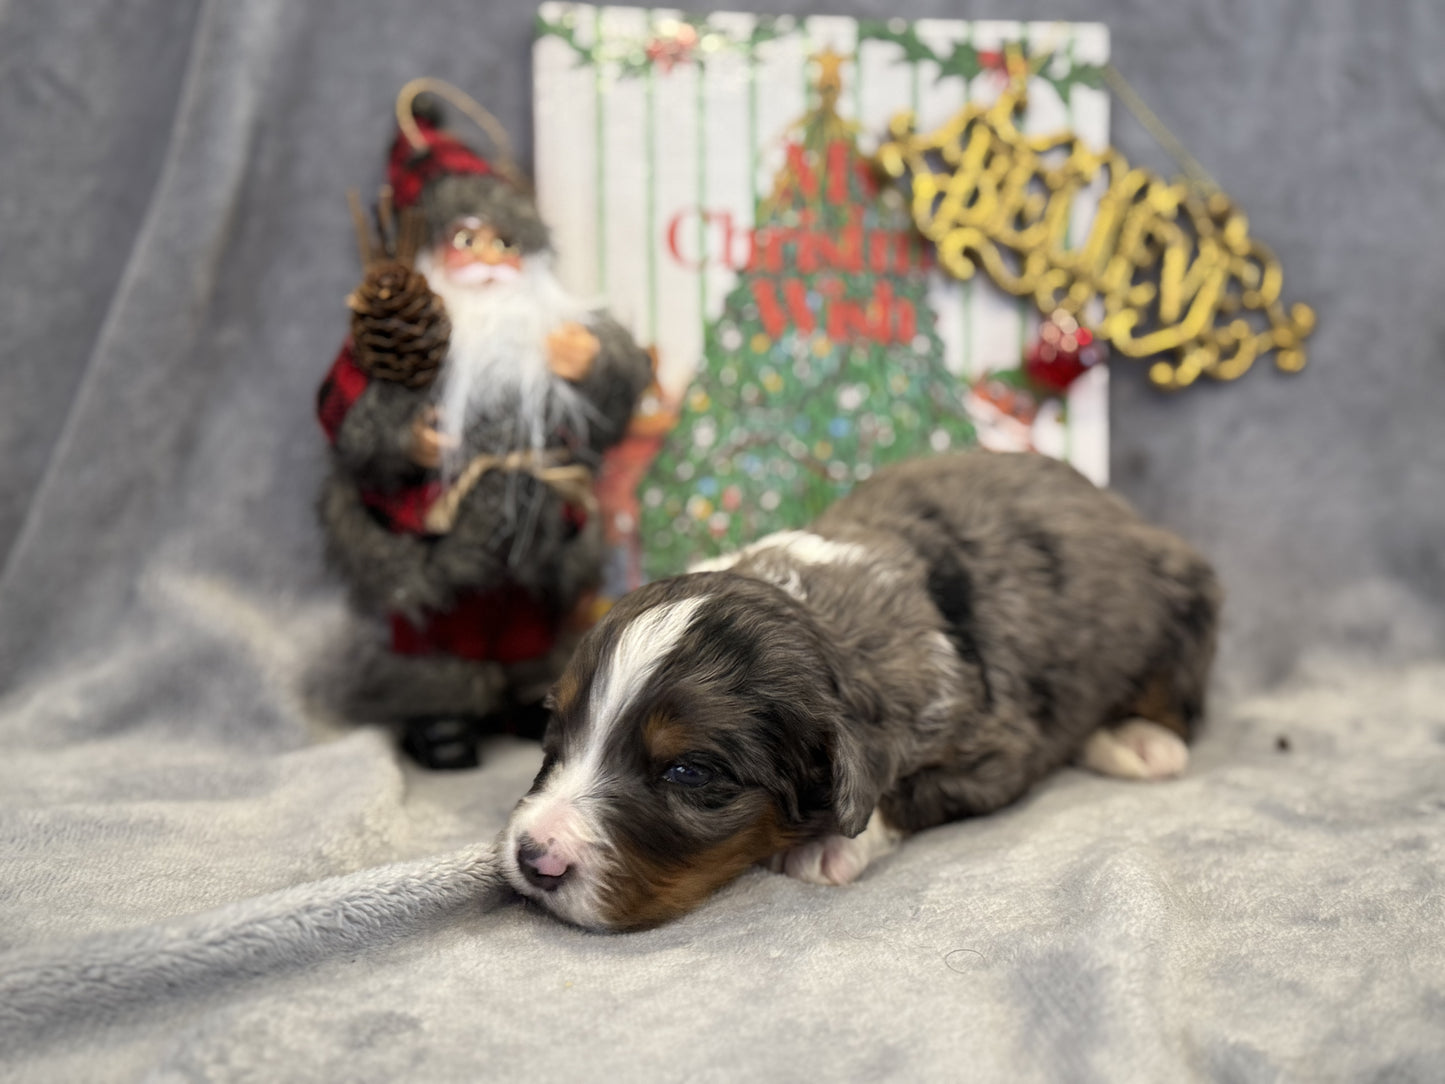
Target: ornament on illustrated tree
column 468, row 413
column 1003, row 406
column 1062, row 352
column 1008, row 406
column 997, row 63
column 1170, row 265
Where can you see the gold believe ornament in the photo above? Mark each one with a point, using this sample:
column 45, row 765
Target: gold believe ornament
column 1168, row 269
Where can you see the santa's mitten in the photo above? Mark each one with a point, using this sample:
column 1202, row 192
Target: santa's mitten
column 614, row 382
column 376, row 441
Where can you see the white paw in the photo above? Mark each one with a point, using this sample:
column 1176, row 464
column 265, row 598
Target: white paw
column 833, row 860
column 1137, row 749
column 837, row 860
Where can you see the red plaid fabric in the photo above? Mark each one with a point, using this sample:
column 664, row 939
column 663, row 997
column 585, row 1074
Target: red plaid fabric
column 402, row 510
column 505, row 625
column 342, row 387
column 408, row 170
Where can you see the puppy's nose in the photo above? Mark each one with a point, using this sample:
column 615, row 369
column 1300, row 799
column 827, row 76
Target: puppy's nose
column 542, row 868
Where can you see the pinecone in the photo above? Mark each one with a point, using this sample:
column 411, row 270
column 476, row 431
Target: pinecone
column 399, row 327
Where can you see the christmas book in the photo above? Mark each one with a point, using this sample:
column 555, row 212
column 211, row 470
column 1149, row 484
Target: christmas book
column 709, row 179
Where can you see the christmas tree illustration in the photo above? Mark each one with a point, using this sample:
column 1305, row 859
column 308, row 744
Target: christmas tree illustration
column 823, row 365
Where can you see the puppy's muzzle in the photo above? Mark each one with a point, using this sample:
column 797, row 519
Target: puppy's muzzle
column 541, row 865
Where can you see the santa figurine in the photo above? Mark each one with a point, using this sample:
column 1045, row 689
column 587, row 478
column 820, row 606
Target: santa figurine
column 467, row 414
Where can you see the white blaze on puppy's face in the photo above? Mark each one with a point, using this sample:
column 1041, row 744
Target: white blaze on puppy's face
column 639, row 650
column 562, row 817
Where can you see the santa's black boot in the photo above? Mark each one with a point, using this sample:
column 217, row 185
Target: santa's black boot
column 521, row 720
column 442, row 743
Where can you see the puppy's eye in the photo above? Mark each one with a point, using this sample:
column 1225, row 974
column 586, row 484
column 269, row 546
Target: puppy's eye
column 688, row 775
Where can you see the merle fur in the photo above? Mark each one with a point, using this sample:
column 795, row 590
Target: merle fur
column 1005, row 609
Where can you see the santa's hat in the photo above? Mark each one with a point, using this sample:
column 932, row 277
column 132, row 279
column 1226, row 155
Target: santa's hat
column 431, row 168
column 410, row 167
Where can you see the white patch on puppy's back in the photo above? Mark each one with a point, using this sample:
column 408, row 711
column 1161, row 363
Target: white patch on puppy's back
column 802, row 546
column 717, row 564
column 811, row 549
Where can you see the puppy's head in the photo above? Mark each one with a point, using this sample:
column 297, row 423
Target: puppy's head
column 697, row 730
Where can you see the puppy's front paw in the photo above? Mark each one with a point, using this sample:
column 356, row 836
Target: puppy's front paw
column 837, row 860
column 833, row 860
column 1137, row 749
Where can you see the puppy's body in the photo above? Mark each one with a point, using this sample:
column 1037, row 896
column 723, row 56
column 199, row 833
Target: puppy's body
column 932, row 646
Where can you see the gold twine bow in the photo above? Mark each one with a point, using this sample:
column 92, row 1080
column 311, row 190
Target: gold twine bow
column 571, row 481
column 504, row 161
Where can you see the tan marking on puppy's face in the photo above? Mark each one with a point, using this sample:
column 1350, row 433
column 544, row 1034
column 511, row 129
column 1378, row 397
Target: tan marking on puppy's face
column 664, row 737
column 564, row 692
column 646, row 892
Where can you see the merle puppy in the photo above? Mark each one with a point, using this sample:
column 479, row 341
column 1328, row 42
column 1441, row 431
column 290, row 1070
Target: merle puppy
column 936, row 643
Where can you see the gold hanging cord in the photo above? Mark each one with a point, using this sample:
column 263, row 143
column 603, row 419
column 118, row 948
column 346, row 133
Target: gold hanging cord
column 1158, row 131
column 505, row 163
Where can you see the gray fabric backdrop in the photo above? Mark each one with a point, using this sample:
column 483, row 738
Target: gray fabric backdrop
column 176, row 250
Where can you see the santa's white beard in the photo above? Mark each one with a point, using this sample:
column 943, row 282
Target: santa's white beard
column 497, row 363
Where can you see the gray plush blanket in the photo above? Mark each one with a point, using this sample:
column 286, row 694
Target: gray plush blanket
column 204, row 876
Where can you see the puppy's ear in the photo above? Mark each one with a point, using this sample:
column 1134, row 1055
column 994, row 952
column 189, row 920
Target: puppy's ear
column 828, row 784
column 822, row 713
column 857, row 775
column 855, row 789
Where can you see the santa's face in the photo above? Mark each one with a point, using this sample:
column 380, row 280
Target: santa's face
column 498, row 390
column 471, row 253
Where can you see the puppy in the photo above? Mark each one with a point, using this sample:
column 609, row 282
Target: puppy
column 931, row 647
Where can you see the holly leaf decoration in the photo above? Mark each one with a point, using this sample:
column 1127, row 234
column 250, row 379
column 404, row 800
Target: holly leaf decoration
column 962, row 62
column 632, row 57
column 767, row 28
column 565, row 30
column 914, row 48
column 1075, row 75
column 634, row 65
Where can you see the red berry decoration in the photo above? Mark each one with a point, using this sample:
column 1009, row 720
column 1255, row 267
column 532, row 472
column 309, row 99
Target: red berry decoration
column 672, row 47
column 1061, row 354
